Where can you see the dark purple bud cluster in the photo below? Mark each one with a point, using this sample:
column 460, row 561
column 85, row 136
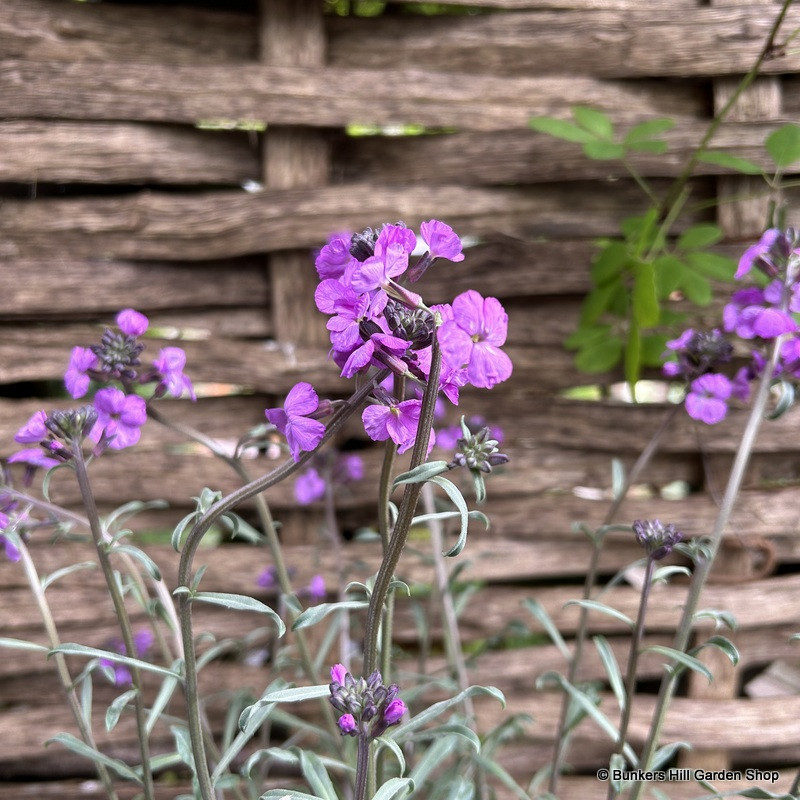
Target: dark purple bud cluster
column 367, row 707
column 477, row 451
column 656, row 538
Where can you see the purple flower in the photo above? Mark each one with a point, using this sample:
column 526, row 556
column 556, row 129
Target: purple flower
column 142, row 642
column 34, row 430
column 472, row 339
column 75, row 378
column 11, row 550
column 397, row 422
column 119, row 417
column 170, row 364
column 750, row 315
column 381, row 347
column 338, row 673
column 132, row 323
column 707, row 400
column 334, row 258
column 441, row 240
column 268, row 579
column 309, row 486
column 34, row 457
column 394, row 711
column 756, row 252
column 352, row 467
column 293, row 420
column 346, row 723
column 316, row 588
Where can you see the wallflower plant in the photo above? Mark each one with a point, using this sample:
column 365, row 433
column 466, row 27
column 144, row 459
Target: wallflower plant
column 409, row 360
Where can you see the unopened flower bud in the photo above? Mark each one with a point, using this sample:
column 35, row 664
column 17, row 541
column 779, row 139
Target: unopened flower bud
column 656, row 538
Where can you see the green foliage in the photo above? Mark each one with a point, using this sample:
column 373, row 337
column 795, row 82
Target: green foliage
column 626, row 316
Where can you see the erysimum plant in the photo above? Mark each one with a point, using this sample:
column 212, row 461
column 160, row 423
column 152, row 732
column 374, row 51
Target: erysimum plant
column 403, row 355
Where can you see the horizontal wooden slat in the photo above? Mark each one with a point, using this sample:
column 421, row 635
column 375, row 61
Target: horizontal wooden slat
column 50, row 30
column 157, row 225
column 103, row 287
column 98, row 152
column 317, row 97
column 506, row 157
column 634, row 42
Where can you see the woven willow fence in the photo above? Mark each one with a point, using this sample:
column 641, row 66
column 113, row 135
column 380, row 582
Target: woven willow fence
column 186, row 159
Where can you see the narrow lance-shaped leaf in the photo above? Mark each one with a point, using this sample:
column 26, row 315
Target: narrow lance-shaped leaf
column 546, row 621
column 240, row 602
column 682, row 659
column 72, row 649
column 394, row 787
column 420, row 720
column 593, row 605
column 117, row 707
column 80, row 748
column 311, row 616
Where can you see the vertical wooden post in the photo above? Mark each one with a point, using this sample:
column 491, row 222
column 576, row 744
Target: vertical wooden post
column 292, row 33
column 742, row 215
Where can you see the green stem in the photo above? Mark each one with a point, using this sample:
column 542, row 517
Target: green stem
column 273, row 542
column 591, row 578
column 362, row 767
column 84, row 725
column 703, row 567
column 185, row 571
column 119, row 606
column 405, row 514
column 633, row 660
column 384, row 525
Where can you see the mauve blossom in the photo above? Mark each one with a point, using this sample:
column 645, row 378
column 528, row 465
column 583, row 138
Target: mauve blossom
column 397, row 422
column 756, row 251
column 34, row 430
column 170, row 364
column 119, row 417
column 142, row 642
column 11, row 550
column 316, row 588
column 309, row 486
column 293, row 420
column 352, row 467
column 346, row 723
column 34, row 457
column 338, row 673
column 750, row 315
column 473, row 337
column 268, row 579
column 708, row 399
column 394, row 711
column 334, row 258
column 131, row 322
column 442, row 241
column 75, row 378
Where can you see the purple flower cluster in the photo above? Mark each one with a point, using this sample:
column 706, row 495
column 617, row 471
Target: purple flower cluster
column 755, row 315
column 340, row 469
column 368, row 706
column 120, row 674
column 9, row 516
column 375, row 320
column 315, row 591
column 118, row 411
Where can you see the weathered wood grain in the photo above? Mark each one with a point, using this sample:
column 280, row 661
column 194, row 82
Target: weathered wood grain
column 95, row 287
column 504, row 157
column 120, row 152
column 49, row 30
column 326, row 97
column 209, row 225
column 634, row 42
